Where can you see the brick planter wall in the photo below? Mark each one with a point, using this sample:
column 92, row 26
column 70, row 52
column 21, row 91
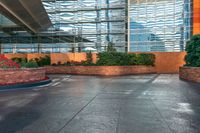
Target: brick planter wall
column 100, row 70
column 14, row 76
column 166, row 62
column 190, row 73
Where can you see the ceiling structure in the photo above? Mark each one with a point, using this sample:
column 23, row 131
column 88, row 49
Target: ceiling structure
column 28, row 13
column 26, row 21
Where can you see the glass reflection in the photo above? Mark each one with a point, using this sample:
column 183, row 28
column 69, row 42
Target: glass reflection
column 155, row 25
column 159, row 25
column 98, row 21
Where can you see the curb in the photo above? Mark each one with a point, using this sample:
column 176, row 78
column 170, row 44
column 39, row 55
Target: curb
column 24, row 85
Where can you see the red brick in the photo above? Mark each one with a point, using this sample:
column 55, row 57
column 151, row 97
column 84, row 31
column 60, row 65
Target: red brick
column 12, row 76
column 190, row 73
column 100, row 70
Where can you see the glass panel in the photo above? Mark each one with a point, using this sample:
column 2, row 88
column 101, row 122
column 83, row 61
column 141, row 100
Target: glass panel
column 98, row 21
column 159, row 25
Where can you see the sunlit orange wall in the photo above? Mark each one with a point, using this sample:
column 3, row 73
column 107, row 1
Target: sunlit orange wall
column 35, row 55
column 28, row 56
column 168, row 62
column 10, row 56
column 68, row 57
column 196, row 16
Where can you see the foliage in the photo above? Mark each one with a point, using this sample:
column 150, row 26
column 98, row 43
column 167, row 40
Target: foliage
column 25, row 63
column 33, row 63
column 42, row 61
column 145, row 59
column 110, row 47
column 88, row 61
column 114, row 59
column 193, row 51
column 19, row 60
column 89, row 58
column 74, row 63
column 124, row 59
column 7, row 63
column 30, row 64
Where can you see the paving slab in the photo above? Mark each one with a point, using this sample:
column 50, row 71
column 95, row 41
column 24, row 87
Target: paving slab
column 154, row 103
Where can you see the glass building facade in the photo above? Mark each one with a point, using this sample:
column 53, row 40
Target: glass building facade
column 99, row 21
column 135, row 25
column 159, row 25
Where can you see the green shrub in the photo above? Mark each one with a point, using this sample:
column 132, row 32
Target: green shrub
column 124, row 59
column 23, row 63
column 36, row 62
column 42, row 61
column 89, row 58
column 110, row 47
column 108, row 59
column 19, row 60
column 145, row 59
column 26, row 64
column 193, row 51
column 30, row 64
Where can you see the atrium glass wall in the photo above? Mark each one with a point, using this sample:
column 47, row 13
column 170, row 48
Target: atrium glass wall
column 15, row 38
column 159, row 25
column 100, row 22
column 155, row 25
column 76, row 25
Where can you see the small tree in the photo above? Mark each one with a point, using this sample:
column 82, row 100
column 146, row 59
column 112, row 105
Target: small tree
column 110, row 47
column 89, row 58
column 193, row 51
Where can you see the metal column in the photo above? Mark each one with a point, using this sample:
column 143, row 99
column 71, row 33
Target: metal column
column 128, row 26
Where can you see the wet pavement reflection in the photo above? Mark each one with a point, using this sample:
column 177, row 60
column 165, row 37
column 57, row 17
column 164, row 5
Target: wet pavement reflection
column 91, row 104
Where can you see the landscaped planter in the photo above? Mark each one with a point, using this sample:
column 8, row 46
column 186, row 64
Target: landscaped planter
column 100, row 70
column 16, row 76
column 190, row 73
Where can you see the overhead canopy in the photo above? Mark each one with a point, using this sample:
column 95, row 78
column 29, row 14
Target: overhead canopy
column 28, row 13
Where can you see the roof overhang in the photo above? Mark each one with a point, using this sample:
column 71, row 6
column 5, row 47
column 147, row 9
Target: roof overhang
column 29, row 13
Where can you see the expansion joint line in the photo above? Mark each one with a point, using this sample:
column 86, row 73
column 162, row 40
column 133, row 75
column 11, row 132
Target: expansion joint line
column 80, row 109
column 161, row 115
column 76, row 114
column 118, row 120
